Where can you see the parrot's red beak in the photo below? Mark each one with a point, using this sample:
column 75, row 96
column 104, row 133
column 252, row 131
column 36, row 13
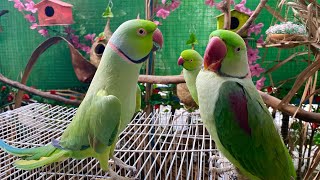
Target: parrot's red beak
column 214, row 54
column 157, row 40
column 180, row 61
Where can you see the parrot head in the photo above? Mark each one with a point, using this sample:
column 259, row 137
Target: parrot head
column 135, row 39
column 190, row 59
column 226, row 54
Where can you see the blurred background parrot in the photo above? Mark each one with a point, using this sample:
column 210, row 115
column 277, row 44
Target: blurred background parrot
column 234, row 114
column 108, row 105
column 191, row 61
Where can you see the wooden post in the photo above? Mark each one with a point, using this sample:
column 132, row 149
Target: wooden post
column 227, row 14
column 150, row 63
column 285, row 128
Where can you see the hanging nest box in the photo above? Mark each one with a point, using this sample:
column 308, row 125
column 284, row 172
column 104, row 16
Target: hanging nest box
column 99, row 45
column 54, row 12
column 101, row 41
column 286, row 35
column 238, row 19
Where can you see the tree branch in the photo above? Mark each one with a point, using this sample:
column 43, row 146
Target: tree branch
column 289, row 109
column 38, row 92
column 227, row 14
column 161, row 79
column 268, row 99
column 253, row 16
column 274, row 13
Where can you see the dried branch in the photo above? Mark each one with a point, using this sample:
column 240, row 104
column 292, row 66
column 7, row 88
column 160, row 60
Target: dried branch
column 303, row 76
column 317, row 91
column 274, row 13
column 37, row 92
column 315, row 163
column 253, row 16
column 278, row 65
column 281, row 3
column 227, row 14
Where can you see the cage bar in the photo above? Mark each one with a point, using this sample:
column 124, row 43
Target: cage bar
column 159, row 145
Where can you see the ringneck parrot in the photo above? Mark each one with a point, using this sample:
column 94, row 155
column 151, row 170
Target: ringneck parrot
column 191, row 61
column 108, row 106
column 234, row 113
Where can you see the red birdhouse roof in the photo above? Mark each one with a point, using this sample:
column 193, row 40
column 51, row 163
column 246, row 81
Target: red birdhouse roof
column 56, row 2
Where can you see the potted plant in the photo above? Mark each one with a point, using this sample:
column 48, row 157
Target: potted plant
column 286, row 32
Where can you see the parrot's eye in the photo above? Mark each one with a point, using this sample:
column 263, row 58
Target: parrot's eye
column 191, row 60
column 237, row 49
column 141, row 32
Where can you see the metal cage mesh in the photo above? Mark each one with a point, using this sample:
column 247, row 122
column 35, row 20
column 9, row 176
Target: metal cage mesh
column 160, row 146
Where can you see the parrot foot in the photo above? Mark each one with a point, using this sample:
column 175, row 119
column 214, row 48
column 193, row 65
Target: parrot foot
column 123, row 165
column 219, row 159
column 114, row 176
column 221, row 170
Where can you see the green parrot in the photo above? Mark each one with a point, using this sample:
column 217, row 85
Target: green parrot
column 108, row 105
column 191, row 61
column 234, row 113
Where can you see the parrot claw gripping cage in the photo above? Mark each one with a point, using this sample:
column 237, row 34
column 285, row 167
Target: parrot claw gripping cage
column 159, row 145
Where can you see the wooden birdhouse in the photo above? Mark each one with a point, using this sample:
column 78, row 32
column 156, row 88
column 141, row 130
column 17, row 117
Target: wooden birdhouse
column 54, row 12
column 238, row 19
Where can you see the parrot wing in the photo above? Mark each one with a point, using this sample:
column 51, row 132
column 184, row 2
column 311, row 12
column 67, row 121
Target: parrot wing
column 101, row 130
column 246, row 130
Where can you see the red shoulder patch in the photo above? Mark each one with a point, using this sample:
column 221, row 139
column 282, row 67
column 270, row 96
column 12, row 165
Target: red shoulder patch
column 238, row 102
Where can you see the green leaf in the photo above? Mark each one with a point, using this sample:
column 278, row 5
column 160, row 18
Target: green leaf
column 295, row 126
column 107, row 13
column 316, row 139
column 82, row 30
column 192, row 39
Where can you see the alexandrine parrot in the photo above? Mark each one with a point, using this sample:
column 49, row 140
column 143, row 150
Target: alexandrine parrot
column 108, row 105
column 191, row 61
column 234, row 113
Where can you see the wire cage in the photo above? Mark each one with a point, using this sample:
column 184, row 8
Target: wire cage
column 159, row 145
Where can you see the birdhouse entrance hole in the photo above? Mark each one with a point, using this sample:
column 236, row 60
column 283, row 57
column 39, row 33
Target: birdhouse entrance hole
column 99, row 49
column 49, row 11
column 238, row 19
column 234, row 23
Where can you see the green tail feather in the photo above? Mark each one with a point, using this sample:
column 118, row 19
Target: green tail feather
column 28, row 153
column 56, row 156
column 34, row 157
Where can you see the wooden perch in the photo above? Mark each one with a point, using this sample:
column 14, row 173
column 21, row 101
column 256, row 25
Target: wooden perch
column 37, row 92
column 253, row 16
column 161, row 79
column 268, row 99
column 289, row 109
